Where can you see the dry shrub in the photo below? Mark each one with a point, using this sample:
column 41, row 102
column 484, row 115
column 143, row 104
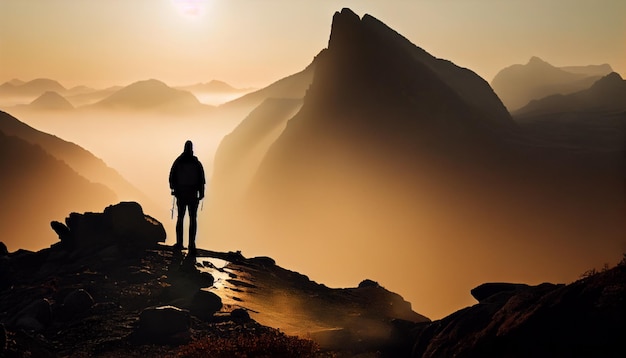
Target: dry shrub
column 246, row 345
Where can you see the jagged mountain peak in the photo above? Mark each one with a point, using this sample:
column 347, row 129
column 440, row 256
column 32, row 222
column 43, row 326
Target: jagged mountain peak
column 368, row 62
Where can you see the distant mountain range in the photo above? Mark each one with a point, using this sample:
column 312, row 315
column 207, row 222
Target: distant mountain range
column 141, row 95
column 608, row 94
column 149, row 94
column 518, row 84
column 35, row 87
column 80, row 162
column 591, row 118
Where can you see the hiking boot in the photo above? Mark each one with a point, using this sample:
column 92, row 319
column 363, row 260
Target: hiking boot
column 178, row 247
column 192, row 251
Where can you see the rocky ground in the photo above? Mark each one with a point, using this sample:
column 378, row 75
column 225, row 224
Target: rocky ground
column 109, row 289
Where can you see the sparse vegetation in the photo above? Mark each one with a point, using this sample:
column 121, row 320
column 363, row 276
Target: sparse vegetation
column 267, row 344
column 593, row 271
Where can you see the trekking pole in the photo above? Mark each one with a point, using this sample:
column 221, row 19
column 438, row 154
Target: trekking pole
column 172, row 209
column 201, row 204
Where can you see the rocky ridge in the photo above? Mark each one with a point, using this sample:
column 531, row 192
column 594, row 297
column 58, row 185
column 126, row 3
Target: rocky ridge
column 109, row 288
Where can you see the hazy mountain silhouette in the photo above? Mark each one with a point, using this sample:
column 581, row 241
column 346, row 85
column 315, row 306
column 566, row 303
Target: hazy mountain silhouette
column 50, row 101
column 518, row 84
column 35, row 87
column 416, row 161
column 607, row 94
column 290, row 87
column 80, row 98
column 16, row 82
column 37, row 188
column 149, row 95
column 594, row 118
column 240, row 153
column 589, row 70
column 79, row 159
column 214, row 86
column 79, row 90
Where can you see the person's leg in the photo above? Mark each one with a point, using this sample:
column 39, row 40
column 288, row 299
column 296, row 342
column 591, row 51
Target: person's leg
column 193, row 223
column 182, row 205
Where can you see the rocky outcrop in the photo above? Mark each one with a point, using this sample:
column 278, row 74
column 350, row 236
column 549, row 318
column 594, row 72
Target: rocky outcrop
column 586, row 318
column 122, row 224
column 165, row 324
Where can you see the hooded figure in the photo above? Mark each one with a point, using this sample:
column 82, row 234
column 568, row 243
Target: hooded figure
column 187, row 184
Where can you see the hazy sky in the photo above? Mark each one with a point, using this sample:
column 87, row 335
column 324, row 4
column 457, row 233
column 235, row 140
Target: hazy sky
column 255, row 42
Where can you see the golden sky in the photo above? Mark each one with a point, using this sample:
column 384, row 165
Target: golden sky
column 255, row 42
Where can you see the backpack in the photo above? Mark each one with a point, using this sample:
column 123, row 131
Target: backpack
column 187, row 174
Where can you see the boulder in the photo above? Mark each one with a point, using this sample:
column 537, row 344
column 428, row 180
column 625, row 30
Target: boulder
column 240, row 315
column 486, row 290
column 3, row 249
column 164, row 324
column 204, row 304
column 263, row 261
column 123, row 223
column 67, row 240
column 368, row 283
column 127, row 220
column 34, row 317
column 78, row 301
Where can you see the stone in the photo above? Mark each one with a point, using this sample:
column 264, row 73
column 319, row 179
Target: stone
column 78, row 301
column 123, row 223
column 486, row 290
column 368, row 283
column 163, row 324
column 35, row 316
column 240, row 315
column 3, row 249
column 263, row 261
column 64, row 233
column 204, row 304
column 128, row 221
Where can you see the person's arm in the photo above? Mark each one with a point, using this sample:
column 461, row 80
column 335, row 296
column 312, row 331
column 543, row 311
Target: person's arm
column 202, row 181
column 173, row 183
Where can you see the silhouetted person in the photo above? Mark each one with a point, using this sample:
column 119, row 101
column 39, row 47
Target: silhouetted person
column 187, row 184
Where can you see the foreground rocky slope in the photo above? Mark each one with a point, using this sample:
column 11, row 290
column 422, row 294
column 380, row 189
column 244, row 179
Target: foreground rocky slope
column 584, row 319
column 109, row 289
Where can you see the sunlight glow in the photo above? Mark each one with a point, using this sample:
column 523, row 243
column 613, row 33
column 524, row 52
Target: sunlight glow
column 191, row 9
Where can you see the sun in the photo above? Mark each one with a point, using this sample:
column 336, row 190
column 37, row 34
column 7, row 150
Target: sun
column 191, row 9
